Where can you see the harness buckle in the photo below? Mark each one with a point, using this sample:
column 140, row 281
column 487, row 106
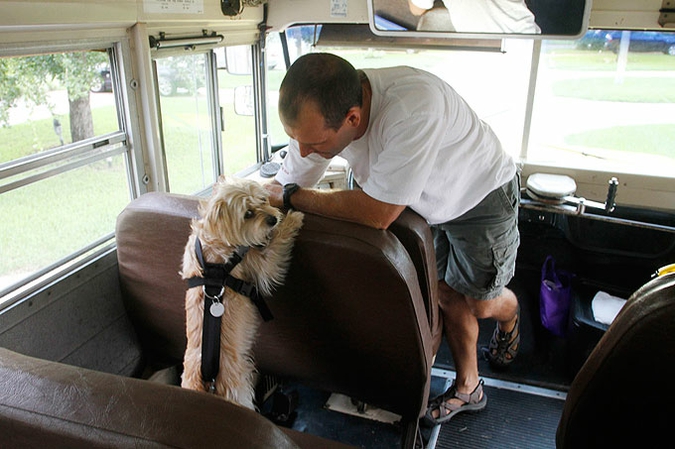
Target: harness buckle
column 247, row 289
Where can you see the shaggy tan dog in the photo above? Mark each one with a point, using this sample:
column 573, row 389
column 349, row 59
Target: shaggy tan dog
column 238, row 215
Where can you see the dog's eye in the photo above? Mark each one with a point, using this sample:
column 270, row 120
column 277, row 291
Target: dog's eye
column 248, row 214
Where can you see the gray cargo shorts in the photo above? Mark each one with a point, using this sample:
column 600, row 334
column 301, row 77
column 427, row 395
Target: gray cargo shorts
column 476, row 252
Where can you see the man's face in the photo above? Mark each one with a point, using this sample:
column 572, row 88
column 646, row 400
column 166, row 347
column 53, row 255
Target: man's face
column 313, row 136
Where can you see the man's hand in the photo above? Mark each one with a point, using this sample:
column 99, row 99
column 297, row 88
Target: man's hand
column 276, row 191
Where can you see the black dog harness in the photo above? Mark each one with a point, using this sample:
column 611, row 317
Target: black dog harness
column 216, row 278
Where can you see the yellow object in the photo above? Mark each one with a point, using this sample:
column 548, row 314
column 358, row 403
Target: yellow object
column 665, row 270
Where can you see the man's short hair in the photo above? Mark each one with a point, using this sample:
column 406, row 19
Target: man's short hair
column 330, row 81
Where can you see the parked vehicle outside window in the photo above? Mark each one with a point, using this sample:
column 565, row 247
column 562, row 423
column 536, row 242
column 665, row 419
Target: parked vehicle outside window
column 640, row 41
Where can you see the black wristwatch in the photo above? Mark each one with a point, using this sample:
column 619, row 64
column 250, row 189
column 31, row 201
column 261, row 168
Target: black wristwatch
column 289, row 189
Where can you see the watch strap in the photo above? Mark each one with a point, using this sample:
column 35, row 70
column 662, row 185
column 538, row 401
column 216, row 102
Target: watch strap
column 289, row 190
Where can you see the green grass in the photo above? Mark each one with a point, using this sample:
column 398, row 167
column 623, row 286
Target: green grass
column 645, row 139
column 38, row 135
column 187, row 141
column 608, row 88
column 45, row 221
column 587, row 60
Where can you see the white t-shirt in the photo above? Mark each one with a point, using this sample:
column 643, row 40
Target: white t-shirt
column 424, row 148
column 487, row 16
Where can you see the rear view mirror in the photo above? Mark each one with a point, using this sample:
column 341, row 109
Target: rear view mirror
column 243, row 100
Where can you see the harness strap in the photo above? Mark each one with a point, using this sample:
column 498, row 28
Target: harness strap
column 248, row 289
column 210, row 348
column 216, row 278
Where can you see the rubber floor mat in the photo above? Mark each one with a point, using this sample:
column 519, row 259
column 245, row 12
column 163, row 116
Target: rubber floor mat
column 512, row 419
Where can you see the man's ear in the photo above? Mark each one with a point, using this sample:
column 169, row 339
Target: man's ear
column 353, row 117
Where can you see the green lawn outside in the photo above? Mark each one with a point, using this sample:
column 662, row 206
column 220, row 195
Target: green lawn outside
column 38, row 135
column 587, row 60
column 645, row 139
column 608, row 88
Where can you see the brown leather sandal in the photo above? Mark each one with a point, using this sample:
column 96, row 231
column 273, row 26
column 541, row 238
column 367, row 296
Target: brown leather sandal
column 473, row 402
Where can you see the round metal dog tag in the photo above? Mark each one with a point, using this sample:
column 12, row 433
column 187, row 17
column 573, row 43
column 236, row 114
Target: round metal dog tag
column 217, row 309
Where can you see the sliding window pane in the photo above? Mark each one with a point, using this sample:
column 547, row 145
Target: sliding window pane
column 186, row 122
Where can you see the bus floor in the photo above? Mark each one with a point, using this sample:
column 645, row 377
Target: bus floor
column 517, row 416
column 524, row 402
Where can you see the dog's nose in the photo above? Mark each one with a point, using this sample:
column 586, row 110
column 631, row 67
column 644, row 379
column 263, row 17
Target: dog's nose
column 271, row 220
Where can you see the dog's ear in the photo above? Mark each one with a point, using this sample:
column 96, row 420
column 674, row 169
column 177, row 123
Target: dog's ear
column 222, row 179
column 213, row 214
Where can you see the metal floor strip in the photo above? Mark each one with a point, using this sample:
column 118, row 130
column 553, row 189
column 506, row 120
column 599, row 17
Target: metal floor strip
column 506, row 385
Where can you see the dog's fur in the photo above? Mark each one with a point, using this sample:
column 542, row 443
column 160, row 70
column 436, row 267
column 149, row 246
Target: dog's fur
column 237, row 214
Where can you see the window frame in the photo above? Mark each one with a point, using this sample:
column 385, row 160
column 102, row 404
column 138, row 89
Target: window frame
column 258, row 81
column 213, row 109
column 79, row 154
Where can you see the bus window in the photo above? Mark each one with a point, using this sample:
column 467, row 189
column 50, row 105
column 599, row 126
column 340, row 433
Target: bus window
column 191, row 124
column 238, row 134
column 187, row 122
column 64, row 159
column 493, row 82
column 606, row 102
column 276, row 69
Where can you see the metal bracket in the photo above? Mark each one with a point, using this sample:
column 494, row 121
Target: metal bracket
column 667, row 14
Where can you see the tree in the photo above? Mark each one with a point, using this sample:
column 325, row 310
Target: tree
column 32, row 77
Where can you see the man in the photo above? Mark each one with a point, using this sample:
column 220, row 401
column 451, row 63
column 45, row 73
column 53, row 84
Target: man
column 412, row 141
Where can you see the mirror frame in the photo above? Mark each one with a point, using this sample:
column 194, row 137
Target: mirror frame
column 473, row 35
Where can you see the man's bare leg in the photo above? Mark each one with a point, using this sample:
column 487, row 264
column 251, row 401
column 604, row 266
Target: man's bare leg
column 460, row 316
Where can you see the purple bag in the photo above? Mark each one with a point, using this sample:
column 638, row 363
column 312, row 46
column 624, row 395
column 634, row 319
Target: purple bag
column 554, row 297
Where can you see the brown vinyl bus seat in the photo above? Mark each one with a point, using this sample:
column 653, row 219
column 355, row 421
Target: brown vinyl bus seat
column 350, row 318
column 415, row 234
column 623, row 395
column 45, row 404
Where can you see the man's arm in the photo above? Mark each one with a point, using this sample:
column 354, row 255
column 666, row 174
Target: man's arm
column 350, row 205
column 416, row 10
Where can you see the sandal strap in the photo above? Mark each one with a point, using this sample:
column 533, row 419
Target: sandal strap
column 467, row 398
column 472, row 397
column 505, row 343
column 504, row 336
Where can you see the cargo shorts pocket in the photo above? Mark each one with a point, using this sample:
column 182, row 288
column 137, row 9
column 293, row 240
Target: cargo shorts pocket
column 504, row 261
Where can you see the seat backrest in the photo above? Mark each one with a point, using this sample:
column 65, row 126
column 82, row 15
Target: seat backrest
column 350, row 317
column 415, row 234
column 151, row 234
column 49, row 404
column 624, row 393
